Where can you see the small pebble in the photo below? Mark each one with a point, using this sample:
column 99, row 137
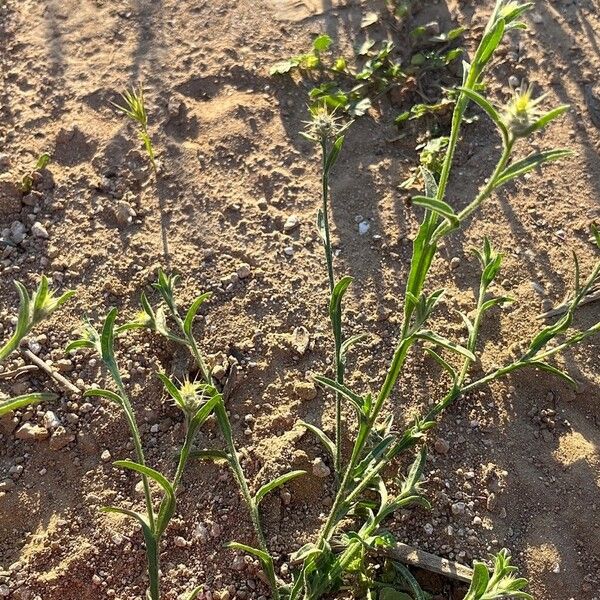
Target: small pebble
column 291, row 223
column 320, row 469
column 39, row 231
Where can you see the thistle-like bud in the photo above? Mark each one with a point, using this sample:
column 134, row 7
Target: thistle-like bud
column 522, row 111
column 192, row 396
column 324, row 126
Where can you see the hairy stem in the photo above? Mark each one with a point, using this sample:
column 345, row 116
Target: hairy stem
column 337, row 333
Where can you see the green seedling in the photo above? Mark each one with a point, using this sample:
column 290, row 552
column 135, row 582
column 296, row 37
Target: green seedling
column 134, row 107
column 33, row 309
column 26, row 184
column 501, row 584
column 197, row 401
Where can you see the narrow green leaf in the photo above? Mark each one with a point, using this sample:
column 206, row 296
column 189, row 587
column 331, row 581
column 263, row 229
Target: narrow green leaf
column 149, row 538
column 351, row 341
column 275, row 483
column 213, row 455
column 262, row 556
column 431, row 186
column 172, row 389
column 479, row 582
column 529, row 163
column 18, row 402
column 334, row 153
column 555, row 371
column 439, row 207
column 167, row 507
column 438, row 340
column 322, row 436
column 444, row 364
column 357, row 400
column 107, row 337
column 492, row 113
column 489, row 43
column 338, row 293
column 194, row 593
column 545, row 119
column 191, row 314
column 104, row 394
column 78, row 344
column 149, row 472
column 499, row 301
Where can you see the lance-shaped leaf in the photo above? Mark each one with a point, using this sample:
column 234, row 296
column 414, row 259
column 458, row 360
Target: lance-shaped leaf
column 439, row 207
column 214, row 455
column 415, row 589
column 107, row 339
column 193, row 594
column 149, row 538
column 529, row 163
column 498, row 301
column 438, row 340
column 357, row 401
column 172, row 390
column 18, row 402
column 334, row 153
column 193, row 310
column 339, row 290
column 374, row 455
column 443, row 363
column 276, row 483
column 554, row 370
column 492, row 113
column 546, row 118
column 167, row 506
column 489, row 43
column 260, row 554
column 322, row 437
column 351, row 341
column 96, row 392
column 479, row 582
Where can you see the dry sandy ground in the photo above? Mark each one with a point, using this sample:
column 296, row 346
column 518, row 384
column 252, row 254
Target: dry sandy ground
column 523, row 455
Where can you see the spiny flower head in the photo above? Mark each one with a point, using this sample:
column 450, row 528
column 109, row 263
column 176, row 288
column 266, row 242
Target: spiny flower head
column 192, row 395
column 324, row 125
column 522, row 109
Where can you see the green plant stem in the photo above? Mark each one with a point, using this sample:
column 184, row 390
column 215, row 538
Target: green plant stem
column 337, row 330
column 137, row 440
column 11, row 345
column 233, row 460
column 238, row 473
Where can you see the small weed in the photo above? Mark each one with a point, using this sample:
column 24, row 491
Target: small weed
column 326, row 565
column 135, row 108
column 352, row 90
column 33, row 309
column 27, row 180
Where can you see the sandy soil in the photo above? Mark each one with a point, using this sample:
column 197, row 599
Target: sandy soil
column 523, row 455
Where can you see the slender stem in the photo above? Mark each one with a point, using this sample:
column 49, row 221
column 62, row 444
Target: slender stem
column 234, row 462
column 137, row 440
column 11, row 345
column 336, row 319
